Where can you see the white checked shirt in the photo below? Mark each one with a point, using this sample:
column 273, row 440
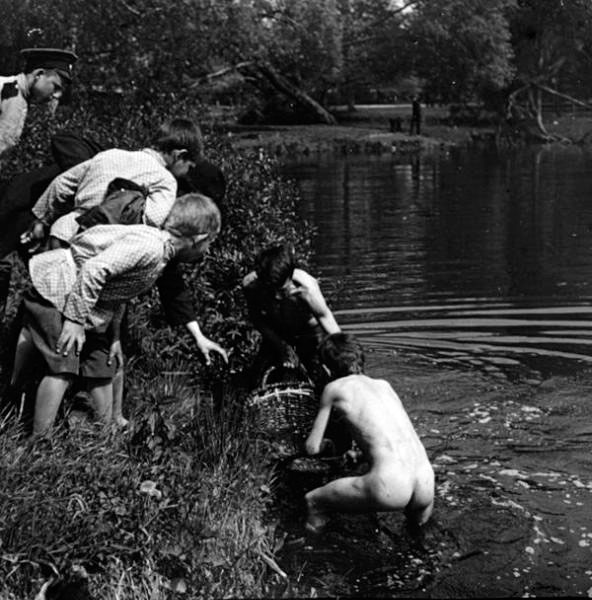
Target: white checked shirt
column 105, row 266
column 84, row 186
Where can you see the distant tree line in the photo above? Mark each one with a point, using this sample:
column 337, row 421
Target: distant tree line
column 297, row 56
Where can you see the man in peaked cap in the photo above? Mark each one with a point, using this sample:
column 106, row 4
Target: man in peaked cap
column 46, row 73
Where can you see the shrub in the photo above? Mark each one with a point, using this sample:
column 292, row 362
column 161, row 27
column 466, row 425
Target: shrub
column 179, row 501
column 259, row 209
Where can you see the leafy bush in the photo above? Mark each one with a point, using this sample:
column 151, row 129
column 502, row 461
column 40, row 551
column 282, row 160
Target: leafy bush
column 179, row 502
column 259, row 208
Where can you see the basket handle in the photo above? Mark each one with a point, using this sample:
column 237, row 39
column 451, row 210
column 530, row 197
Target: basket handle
column 300, row 369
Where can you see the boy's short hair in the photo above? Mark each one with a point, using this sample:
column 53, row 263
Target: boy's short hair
column 274, row 265
column 179, row 134
column 342, row 354
column 193, row 214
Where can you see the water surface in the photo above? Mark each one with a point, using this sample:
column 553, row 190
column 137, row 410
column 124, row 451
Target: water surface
column 467, row 278
column 474, row 258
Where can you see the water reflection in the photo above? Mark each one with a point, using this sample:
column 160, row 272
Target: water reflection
column 474, row 258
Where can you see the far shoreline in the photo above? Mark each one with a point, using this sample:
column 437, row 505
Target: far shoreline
column 367, row 130
column 342, row 139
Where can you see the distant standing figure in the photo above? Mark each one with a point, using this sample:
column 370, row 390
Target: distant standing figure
column 400, row 475
column 415, row 116
column 45, row 76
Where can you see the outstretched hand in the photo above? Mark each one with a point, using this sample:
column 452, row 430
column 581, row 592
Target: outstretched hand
column 71, row 337
column 206, row 346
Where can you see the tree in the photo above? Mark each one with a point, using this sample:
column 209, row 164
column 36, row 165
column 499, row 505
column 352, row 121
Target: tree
column 552, row 41
column 460, row 47
column 373, row 40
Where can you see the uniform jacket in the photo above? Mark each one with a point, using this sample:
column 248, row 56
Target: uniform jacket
column 13, row 109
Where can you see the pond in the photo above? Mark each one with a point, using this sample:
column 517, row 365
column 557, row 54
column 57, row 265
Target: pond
column 466, row 275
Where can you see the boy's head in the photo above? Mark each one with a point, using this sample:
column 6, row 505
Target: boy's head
column 342, row 355
column 274, row 266
column 180, row 143
column 195, row 220
column 48, row 71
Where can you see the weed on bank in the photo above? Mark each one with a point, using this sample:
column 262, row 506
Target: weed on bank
column 177, row 503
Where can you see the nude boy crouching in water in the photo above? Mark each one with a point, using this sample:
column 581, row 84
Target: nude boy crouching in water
column 400, row 475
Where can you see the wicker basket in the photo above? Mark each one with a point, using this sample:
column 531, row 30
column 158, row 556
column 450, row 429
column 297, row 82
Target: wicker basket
column 283, row 411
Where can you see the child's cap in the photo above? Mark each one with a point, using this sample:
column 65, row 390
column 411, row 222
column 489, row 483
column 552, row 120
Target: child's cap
column 61, row 61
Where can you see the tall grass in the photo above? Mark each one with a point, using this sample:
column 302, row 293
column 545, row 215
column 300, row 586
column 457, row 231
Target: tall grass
column 177, row 504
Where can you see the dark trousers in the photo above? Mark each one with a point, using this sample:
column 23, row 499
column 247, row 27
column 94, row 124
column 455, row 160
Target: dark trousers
column 20, row 195
column 15, row 216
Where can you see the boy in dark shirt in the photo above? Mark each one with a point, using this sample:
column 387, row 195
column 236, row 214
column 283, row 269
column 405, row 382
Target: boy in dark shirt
column 288, row 308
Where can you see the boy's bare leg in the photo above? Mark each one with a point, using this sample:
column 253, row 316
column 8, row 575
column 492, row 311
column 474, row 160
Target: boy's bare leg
column 366, row 493
column 421, row 506
column 49, row 397
column 347, row 494
column 118, row 380
column 101, row 393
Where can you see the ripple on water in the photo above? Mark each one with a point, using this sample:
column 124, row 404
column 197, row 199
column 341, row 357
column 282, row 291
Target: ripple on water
column 518, row 342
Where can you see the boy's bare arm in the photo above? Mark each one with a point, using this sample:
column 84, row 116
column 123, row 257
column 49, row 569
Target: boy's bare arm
column 314, row 442
column 204, row 344
column 308, row 289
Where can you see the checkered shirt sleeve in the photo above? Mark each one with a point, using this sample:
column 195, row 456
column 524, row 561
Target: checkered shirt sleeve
column 59, row 196
column 85, row 185
column 124, row 269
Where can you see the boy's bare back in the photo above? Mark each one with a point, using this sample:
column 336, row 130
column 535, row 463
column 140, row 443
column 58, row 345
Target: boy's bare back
column 400, row 475
column 378, row 420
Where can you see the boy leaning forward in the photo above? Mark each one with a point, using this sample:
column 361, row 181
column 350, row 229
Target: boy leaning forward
column 79, row 291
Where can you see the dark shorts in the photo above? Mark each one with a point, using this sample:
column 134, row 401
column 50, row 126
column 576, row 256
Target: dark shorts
column 45, row 322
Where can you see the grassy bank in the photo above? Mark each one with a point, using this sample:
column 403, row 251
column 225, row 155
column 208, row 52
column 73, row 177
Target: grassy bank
column 177, row 505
